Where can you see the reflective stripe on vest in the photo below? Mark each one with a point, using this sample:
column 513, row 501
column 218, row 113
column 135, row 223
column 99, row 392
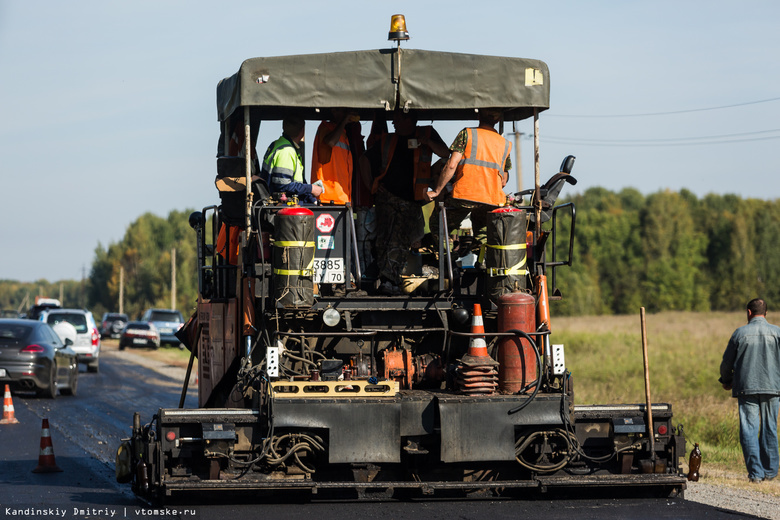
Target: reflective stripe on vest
column 280, row 170
column 479, row 177
column 336, row 174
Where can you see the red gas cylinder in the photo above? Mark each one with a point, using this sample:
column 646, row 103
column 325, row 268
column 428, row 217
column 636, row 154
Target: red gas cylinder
column 517, row 361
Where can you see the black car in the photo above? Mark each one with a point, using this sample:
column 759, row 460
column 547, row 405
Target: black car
column 32, row 357
column 139, row 334
column 112, row 324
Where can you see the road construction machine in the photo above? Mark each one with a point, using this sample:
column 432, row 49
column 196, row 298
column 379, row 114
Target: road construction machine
column 311, row 381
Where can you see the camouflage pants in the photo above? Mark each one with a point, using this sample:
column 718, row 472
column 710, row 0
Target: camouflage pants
column 399, row 224
column 457, row 211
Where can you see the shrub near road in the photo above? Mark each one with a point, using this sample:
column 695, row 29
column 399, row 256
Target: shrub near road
column 685, row 349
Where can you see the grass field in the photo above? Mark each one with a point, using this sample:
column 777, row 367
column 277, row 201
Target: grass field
column 604, row 354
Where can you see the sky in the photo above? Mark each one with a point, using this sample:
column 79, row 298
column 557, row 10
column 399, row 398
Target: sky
column 108, row 109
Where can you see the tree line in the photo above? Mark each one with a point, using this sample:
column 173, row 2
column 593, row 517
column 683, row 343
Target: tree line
column 140, row 262
column 670, row 251
column 663, row 251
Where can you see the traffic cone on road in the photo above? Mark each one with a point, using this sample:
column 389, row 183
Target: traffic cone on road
column 8, row 408
column 46, row 462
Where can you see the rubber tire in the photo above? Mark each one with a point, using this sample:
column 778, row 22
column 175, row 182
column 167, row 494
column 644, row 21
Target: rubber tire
column 51, row 391
column 73, row 385
column 94, row 367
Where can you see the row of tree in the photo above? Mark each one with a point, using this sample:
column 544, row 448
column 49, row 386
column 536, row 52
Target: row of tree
column 670, row 251
column 664, row 251
column 140, row 263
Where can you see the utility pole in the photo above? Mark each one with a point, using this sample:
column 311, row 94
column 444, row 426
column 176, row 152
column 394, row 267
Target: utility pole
column 173, row 278
column 121, row 290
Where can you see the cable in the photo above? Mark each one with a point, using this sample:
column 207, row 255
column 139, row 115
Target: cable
column 649, row 143
column 649, row 114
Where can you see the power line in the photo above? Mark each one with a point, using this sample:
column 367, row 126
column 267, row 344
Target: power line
column 650, row 143
column 665, row 140
column 595, row 116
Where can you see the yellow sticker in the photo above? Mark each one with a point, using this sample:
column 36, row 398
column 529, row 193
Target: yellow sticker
column 533, row 77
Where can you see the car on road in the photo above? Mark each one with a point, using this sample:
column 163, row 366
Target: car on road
column 139, row 334
column 168, row 322
column 32, row 357
column 111, row 324
column 42, row 305
column 87, row 344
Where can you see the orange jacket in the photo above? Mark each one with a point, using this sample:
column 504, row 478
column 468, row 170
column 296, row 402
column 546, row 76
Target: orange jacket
column 422, row 161
column 336, row 174
column 479, row 176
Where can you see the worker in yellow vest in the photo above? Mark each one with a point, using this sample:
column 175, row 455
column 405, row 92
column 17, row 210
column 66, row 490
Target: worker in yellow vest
column 478, row 167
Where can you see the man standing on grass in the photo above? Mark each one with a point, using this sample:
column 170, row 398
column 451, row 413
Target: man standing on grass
column 751, row 370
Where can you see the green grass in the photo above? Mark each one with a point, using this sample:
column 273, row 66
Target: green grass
column 604, row 354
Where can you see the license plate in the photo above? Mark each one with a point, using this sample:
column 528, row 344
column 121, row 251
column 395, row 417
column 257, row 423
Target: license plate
column 329, row 270
column 166, row 330
column 3, row 372
column 137, row 341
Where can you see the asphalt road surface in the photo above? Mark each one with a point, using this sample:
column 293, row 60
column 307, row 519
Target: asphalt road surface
column 86, row 430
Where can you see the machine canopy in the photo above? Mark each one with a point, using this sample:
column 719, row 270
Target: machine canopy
column 436, row 85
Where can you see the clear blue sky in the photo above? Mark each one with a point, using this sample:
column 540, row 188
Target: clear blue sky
column 107, row 109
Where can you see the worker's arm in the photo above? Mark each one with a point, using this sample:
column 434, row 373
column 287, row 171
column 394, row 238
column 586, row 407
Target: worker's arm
column 727, row 364
column 446, row 174
column 436, row 144
column 329, row 140
column 365, row 171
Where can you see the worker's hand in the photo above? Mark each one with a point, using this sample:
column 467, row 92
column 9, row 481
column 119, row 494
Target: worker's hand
column 726, row 387
column 316, row 190
column 430, row 195
column 353, row 117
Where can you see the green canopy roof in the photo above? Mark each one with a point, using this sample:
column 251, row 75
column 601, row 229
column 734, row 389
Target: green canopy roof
column 436, row 85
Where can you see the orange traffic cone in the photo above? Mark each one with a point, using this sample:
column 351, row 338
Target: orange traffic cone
column 477, row 346
column 476, row 372
column 46, row 462
column 8, row 408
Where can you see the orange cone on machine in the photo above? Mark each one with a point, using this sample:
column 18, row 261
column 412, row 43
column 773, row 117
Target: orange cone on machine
column 8, row 408
column 477, row 346
column 477, row 372
column 46, row 462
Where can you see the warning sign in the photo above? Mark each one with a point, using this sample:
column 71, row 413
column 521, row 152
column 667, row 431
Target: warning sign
column 325, row 223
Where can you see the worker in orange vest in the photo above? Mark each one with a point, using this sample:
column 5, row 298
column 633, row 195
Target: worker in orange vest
column 331, row 160
column 478, row 167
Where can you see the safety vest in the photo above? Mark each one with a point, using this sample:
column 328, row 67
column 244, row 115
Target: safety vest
column 422, row 162
column 479, row 176
column 281, row 165
column 336, row 174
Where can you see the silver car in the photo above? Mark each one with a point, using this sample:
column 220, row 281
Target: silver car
column 87, row 344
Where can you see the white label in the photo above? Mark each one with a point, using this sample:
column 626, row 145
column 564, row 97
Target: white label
column 272, row 361
column 326, row 242
column 329, row 270
column 559, row 365
column 2, row 372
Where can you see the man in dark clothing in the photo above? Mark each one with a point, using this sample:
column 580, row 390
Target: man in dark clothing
column 751, row 370
column 398, row 167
